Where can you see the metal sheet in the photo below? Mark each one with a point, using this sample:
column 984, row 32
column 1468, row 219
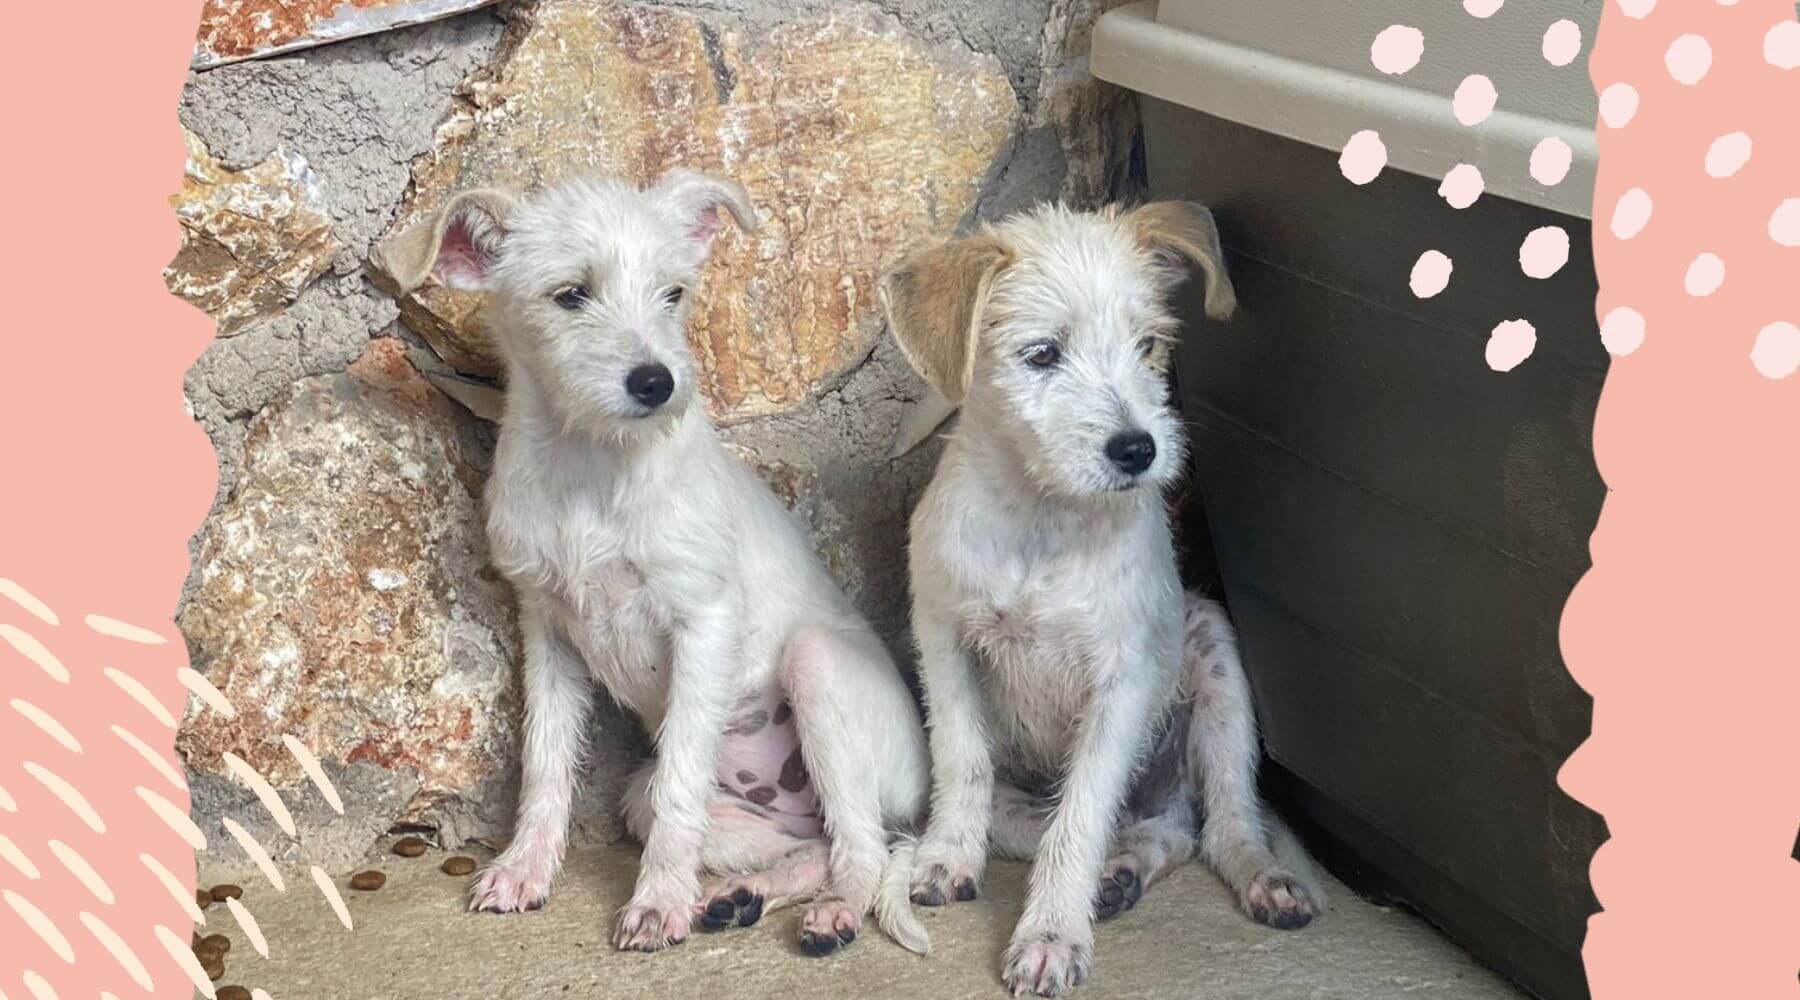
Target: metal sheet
column 235, row 30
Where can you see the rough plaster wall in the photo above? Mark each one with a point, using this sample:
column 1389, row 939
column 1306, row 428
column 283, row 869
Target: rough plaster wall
column 362, row 114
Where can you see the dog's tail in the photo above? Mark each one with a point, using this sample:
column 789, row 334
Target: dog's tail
column 893, row 905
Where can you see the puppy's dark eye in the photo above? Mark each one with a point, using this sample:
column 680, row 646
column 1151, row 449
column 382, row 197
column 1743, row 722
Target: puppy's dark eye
column 1147, row 346
column 1044, row 355
column 573, row 297
column 672, row 295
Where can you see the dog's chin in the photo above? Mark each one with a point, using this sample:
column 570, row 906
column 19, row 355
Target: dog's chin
column 627, row 424
column 1100, row 487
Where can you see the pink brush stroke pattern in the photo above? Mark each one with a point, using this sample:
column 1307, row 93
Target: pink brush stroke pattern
column 1684, row 628
column 105, row 478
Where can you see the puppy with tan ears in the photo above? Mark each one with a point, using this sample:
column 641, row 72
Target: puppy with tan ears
column 1082, row 709
column 648, row 559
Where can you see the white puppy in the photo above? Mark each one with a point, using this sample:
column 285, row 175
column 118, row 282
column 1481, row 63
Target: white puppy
column 649, row 559
column 1082, row 710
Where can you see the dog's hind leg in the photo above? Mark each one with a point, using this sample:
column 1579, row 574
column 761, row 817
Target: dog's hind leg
column 1222, row 758
column 1019, row 821
column 758, row 861
column 742, row 899
column 1143, row 852
column 864, row 752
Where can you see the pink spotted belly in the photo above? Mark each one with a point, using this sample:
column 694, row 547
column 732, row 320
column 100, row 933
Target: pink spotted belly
column 761, row 765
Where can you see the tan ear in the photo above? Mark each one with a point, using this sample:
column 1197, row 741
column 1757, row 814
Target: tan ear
column 458, row 244
column 1185, row 230
column 934, row 301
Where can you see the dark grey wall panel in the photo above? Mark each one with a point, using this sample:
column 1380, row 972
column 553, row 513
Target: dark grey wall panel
column 1397, row 527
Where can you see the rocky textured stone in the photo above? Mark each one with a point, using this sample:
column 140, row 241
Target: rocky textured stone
column 231, row 30
column 360, row 112
column 372, row 797
column 250, row 239
column 1096, row 123
column 344, row 592
column 855, row 139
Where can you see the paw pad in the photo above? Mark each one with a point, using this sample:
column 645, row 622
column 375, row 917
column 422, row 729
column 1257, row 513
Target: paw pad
column 742, row 908
column 1120, row 890
column 819, row 945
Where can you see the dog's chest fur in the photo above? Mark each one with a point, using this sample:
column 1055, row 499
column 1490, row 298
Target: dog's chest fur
column 599, row 554
column 1031, row 639
column 614, row 616
column 1054, row 610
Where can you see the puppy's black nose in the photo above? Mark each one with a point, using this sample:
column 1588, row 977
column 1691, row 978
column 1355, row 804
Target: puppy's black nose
column 1132, row 451
column 650, row 385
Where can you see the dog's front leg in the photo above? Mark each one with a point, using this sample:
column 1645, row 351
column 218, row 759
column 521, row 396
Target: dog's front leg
column 661, row 911
column 558, row 699
column 953, row 852
column 1054, row 940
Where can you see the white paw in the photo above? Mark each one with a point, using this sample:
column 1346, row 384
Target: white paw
column 1046, row 964
column 512, row 886
column 828, row 923
column 652, row 927
column 1276, row 898
column 939, row 879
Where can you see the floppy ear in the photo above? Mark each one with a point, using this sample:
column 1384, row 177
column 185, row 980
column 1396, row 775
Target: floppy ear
column 458, row 244
column 934, row 300
column 1184, row 230
column 698, row 200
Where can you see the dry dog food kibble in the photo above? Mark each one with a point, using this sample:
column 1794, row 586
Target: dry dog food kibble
column 368, row 881
column 458, row 866
column 220, row 893
column 410, row 847
column 212, row 944
column 214, row 968
column 202, row 898
column 233, row 993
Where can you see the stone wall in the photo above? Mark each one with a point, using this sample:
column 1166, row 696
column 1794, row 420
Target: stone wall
column 340, row 590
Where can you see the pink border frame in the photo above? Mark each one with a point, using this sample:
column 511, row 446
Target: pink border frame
column 1683, row 630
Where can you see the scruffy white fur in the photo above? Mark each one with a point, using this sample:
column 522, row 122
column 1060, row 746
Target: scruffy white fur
column 1082, row 709
column 649, row 559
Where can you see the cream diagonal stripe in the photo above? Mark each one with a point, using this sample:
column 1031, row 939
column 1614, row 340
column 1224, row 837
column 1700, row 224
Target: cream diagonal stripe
column 24, row 599
column 67, row 793
column 175, row 818
column 140, row 694
column 248, row 923
column 310, row 765
column 264, row 791
column 43, row 720
column 121, row 952
column 184, row 957
column 34, row 651
column 329, row 891
column 256, row 852
column 7, row 803
column 39, row 989
column 260, row 994
column 83, row 872
column 124, row 630
column 10, row 853
column 34, row 918
column 182, row 894
column 163, row 767
column 194, row 681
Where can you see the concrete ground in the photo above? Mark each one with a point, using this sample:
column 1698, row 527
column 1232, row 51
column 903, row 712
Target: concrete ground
column 1185, row 941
